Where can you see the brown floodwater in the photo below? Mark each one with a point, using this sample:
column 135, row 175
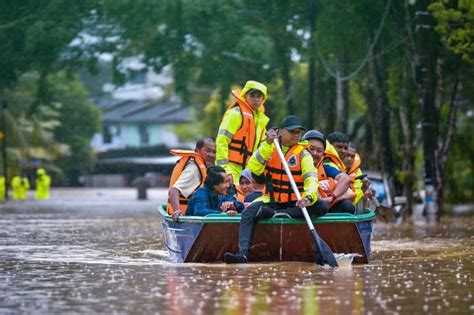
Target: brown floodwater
column 102, row 252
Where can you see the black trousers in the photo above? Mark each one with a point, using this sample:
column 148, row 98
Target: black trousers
column 260, row 210
column 344, row 206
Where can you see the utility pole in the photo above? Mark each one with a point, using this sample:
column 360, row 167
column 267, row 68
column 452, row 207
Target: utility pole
column 425, row 70
column 311, row 64
column 3, row 139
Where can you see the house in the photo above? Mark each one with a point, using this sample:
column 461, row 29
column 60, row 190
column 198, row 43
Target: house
column 137, row 123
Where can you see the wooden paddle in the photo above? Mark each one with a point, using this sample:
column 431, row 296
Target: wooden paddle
column 324, row 254
column 383, row 213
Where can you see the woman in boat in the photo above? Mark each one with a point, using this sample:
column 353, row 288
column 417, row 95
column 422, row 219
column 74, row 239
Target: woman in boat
column 333, row 184
column 213, row 198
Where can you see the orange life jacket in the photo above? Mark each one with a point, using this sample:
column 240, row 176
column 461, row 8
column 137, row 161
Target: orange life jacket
column 323, row 176
column 355, row 165
column 335, row 159
column 185, row 155
column 282, row 190
column 323, row 193
column 240, row 194
column 242, row 143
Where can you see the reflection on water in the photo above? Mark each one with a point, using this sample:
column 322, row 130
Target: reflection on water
column 95, row 260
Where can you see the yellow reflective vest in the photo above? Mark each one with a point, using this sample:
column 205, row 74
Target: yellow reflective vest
column 353, row 171
column 3, row 187
column 42, row 186
column 234, row 132
column 258, row 164
column 19, row 187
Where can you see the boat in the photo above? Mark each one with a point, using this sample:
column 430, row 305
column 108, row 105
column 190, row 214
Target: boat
column 205, row 239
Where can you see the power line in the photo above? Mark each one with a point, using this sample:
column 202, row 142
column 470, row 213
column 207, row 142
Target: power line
column 333, row 73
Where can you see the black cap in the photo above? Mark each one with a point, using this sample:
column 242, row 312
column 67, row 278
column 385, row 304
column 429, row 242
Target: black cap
column 314, row 134
column 291, row 123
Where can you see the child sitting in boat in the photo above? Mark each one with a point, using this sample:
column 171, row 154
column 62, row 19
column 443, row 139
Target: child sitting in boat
column 247, row 190
column 212, row 198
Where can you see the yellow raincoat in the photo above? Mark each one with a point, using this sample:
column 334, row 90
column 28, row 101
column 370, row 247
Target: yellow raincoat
column 3, row 187
column 231, row 126
column 19, row 187
column 353, row 172
column 43, row 181
column 258, row 161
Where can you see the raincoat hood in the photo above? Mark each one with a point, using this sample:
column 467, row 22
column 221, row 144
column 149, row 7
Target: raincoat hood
column 254, row 85
column 41, row 171
column 331, row 149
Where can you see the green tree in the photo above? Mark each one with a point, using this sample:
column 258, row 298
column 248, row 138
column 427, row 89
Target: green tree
column 31, row 135
column 57, row 134
column 79, row 119
column 34, row 36
column 455, row 24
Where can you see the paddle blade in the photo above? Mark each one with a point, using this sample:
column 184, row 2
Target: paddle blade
column 384, row 214
column 323, row 254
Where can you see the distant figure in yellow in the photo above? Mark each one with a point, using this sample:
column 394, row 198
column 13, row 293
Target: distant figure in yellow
column 19, row 187
column 3, row 187
column 43, row 181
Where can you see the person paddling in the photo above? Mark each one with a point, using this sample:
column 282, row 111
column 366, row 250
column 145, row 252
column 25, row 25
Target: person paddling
column 281, row 199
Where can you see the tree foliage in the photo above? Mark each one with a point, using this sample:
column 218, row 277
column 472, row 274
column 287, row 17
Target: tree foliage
column 58, row 134
column 79, row 120
column 35, row 35
column 455, row 24
column 369, row 67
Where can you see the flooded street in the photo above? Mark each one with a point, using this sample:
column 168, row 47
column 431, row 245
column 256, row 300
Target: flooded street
column 93, row 251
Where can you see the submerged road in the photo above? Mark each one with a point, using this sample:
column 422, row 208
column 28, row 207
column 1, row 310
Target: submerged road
column 100, row 251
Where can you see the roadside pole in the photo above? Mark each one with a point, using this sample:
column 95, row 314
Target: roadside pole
column 311, row 65
column 3, row 139
column 427, row 85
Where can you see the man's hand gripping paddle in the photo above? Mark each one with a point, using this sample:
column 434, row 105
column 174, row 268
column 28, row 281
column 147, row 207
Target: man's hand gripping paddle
column 324, row 254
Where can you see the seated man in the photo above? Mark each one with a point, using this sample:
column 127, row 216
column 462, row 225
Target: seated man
column 335, row 155
column 352, row 161
column 336, row 149
column 189, row 174
column 280, row 199
column 247, row 191
column 334, row 184
column 212, row 198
